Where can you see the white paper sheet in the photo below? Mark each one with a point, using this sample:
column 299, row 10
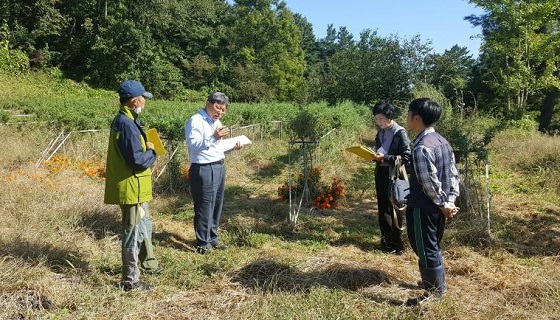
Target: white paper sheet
column 228, row 144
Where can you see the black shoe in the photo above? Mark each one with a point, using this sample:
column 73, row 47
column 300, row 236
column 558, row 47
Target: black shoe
column 142, row 286
column 383, row 248
column 426, row 297
column 390, row 250
column 154, row 272
column 204, row 249
column 219, row 245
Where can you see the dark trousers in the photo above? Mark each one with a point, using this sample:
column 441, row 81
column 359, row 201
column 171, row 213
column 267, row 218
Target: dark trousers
column 207, row 188
column 425, row 229
column 391, row 235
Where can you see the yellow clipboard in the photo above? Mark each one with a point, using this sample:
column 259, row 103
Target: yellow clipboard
column 362, row 152
column 153, row 137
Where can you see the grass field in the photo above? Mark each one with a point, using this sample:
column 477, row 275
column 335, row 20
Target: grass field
column 60, row 248
column 60, row 245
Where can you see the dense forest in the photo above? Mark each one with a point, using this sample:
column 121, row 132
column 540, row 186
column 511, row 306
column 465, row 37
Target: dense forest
column 259, row 50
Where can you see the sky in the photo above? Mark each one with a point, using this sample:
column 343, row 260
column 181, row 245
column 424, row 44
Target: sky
column 440, row 21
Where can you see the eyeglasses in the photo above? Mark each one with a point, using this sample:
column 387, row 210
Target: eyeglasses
column 220, row 106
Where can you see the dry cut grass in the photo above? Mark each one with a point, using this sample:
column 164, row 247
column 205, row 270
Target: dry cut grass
column 60, row 251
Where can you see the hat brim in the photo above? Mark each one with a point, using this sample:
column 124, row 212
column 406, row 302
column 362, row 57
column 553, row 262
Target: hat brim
column 147, row 95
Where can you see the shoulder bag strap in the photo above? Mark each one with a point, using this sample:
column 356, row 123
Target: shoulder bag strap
column 398, row 169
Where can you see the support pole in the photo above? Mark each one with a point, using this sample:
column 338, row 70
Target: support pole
column 487, row 193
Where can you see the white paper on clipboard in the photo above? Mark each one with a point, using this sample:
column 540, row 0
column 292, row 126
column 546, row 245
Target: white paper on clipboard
column 228, row 144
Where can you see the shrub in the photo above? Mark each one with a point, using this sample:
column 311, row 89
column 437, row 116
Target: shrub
column 322, row 196
column 4, row 116
column 308, row 126
column 12, row 61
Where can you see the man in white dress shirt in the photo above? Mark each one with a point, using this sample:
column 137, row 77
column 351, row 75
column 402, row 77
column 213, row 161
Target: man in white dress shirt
column 203, row 132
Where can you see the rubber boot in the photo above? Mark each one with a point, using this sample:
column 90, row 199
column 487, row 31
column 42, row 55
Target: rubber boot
column 433, row 280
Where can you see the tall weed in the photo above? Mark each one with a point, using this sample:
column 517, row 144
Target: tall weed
column 535, row 157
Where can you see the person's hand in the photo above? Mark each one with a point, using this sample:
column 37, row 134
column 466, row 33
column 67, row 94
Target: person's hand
column 379, row 157
column 449, row 210
column 221, row 133
column 238, row 146
column 150, row 145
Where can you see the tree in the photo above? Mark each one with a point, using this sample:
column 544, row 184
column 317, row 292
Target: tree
column 521, row 53
column 265, row 36
column 35, row 29
column 370, row 69
column 11, row 61
column 309, row 42
column 450, row 73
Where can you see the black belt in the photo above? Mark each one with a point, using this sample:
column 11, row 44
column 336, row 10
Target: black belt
column 210, row 163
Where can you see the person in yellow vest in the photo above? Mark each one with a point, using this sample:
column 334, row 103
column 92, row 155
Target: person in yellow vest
column 128, row 183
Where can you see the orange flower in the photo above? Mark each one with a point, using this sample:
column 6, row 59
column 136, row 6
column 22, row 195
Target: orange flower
column 324, row 197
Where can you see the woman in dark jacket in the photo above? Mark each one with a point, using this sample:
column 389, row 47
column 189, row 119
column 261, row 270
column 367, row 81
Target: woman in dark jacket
column 391, row 141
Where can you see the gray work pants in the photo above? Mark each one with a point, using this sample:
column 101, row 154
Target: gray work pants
column 136, row 241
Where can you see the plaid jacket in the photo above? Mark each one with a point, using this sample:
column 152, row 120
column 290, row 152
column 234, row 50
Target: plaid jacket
column 435, row 177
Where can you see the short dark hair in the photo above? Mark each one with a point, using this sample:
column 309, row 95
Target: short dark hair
column 218, row 97
column 428, row 110
column 384, row 107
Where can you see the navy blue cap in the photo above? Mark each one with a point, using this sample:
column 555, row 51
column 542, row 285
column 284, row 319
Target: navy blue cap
column 132, row 88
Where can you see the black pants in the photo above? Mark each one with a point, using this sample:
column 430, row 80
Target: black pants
column 425, row 229
column 391, row 235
